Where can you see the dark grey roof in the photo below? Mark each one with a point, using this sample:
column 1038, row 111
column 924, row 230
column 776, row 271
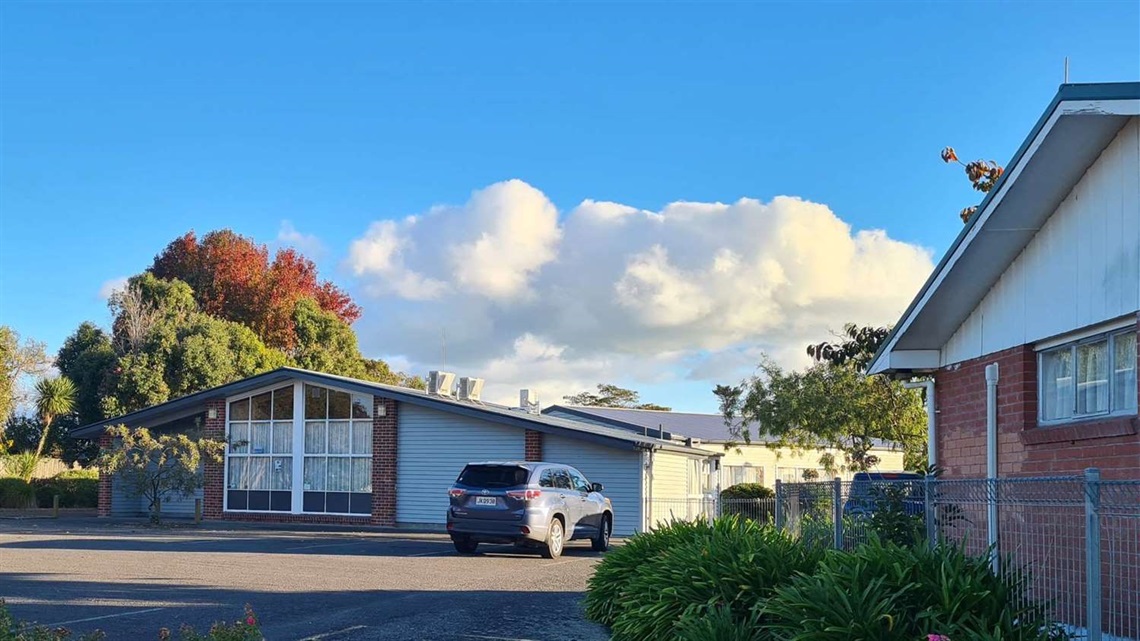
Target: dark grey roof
column 194, row 403
column 1078, row 155
column 706, row 427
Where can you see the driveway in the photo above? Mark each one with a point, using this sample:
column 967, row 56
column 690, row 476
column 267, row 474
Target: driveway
column 320, row 586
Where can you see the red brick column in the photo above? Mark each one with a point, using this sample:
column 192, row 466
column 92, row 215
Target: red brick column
column 104, row 481
column 384, row 435
column 532, row 445
column 213, row 477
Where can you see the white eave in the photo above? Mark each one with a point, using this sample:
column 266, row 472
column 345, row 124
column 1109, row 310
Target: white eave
column 1080, row 122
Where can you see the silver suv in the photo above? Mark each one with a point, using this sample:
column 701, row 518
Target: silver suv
column 529, row 504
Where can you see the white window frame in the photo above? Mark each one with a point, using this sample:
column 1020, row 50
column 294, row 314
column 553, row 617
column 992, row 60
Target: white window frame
column 298, row 454
column 1109, row 337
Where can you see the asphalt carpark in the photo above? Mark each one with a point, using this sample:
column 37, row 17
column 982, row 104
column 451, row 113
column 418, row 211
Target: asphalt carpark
column 129, row 581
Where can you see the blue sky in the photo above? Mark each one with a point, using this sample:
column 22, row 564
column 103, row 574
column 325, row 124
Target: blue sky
column 125, row 125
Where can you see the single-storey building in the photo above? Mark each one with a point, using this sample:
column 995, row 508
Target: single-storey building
column 1043, row 284
column 755, row 462
column 308, row 447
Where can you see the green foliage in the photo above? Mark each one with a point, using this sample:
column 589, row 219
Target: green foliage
column 749, row 500
column 248, row 628
column 825, row 406
column 890, row 520
column 888, row 592
column 21, row 465
column 155, row 467
column 324, row 342
column 87, row 358
column 75, row 488
column 747, row 491
column 613, row 574
column 18, row 359
column 736, row 564
column 610, row 395
column 16, row 494
column 856, row 347
column 55, row 397
column 719, row 624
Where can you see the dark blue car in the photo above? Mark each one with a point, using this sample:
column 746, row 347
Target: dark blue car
column 867, row 489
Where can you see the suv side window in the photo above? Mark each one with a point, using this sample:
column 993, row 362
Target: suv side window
column 546, row 479
column 562, row 480
column 579, row 481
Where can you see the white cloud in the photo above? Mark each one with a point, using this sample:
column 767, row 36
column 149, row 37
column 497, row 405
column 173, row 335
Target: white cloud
column 109, row 287
column 611, row 292
column 307, row 244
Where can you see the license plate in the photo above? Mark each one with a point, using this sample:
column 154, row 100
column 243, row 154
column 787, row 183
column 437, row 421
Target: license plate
column 486, row 500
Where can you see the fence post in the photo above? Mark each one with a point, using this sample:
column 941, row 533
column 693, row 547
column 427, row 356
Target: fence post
column 779, row 505
column 55, row 506
column 1092, row 552
column 197, row 511
column 837, row 510
column 931, row 513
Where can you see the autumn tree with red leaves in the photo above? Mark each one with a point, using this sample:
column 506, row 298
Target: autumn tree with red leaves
column 233, row 278
column 983, row 175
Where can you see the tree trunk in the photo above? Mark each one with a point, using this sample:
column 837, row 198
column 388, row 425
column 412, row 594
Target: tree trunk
column 43, row 437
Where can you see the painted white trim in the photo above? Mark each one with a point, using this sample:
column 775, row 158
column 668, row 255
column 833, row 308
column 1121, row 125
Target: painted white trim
column 1068, row 107
column 1106, row 327
column 921, row 359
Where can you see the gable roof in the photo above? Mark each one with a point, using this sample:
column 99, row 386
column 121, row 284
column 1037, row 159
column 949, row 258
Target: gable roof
column 706, row 427
column 193, row 404
column 1075, row 128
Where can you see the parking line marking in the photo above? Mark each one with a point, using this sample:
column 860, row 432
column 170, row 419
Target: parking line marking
column 105, row 616
column 445, row 552
column 326, row 635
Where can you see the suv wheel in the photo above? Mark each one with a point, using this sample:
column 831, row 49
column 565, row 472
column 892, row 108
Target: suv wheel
column 601, row 543
column 555, row 538
column 465, row 545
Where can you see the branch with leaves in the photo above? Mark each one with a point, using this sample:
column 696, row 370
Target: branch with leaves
column 983, row 175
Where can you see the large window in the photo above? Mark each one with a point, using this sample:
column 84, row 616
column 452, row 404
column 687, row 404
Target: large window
column 737, row 474
column 259, row 466
column 299, row 448
column 1092, row 377
column 337, row 475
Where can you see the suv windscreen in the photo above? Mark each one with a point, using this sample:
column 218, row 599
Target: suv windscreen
column 491, row 476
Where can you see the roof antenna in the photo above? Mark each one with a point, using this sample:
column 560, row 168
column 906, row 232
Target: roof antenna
column 1066, row 70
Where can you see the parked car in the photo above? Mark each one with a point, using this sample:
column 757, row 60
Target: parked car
column 866, row 492
column 537, row 505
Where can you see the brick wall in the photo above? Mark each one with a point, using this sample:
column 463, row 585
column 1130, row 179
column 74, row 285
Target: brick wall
column 384, row 436
column 104, row 481
column 532, row 445
column 1024, row 449
column 213, row 477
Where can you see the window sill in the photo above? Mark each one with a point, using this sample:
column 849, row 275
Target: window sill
column 1082, row 431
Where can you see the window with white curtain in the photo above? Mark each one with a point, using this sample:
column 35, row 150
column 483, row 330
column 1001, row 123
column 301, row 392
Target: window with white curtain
column 737, row 474
column 1092, row 377
column 259, row 461
column 337, row 476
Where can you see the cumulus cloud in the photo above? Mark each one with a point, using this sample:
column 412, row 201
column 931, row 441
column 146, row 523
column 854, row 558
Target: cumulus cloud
column 109, row 287
column 307, row 244
column 607, row 292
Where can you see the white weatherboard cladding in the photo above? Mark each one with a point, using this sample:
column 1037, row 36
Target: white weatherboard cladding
column 432, row 448
column 670, row 487
column 617, row 469
column 1080, row 269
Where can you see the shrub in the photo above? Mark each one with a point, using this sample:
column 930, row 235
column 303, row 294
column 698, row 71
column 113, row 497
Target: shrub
column 890, row 592
column 719, row 624
column 16, row 494
column 13, row 630
column 750, row 501
column 736, row 565
column 21, row 465
column 248, row 628
column 74, row 490
column 613, row 574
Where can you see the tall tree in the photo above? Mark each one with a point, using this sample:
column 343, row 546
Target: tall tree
column 55, row 397
column 982, row 174
column 233, row 278
column 827, row 406
column 19, row 360
column 87, row 358
column 610, row 395
column 856, row 347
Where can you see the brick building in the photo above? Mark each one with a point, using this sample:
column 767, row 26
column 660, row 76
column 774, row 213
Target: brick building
column 1044, row 282
column 307, row 447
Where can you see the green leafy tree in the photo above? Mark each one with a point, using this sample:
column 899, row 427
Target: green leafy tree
column 155, row 467
column 19, row 359
column 55, row 397
column 610, row 395
column 324, row 342
column 826, row 407
column 855, row 348
column 379, row 371
column 87, row 358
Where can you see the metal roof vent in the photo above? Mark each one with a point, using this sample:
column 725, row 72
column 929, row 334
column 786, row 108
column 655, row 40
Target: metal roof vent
column 440, row 383
column 528, row 401
column 470, row 389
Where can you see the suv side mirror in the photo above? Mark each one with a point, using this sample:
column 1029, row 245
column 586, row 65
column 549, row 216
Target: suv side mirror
column 597, row 487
